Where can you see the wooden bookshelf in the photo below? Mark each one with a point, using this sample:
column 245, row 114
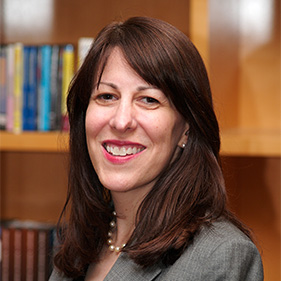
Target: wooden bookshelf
column 246, row 142
column 34, row 141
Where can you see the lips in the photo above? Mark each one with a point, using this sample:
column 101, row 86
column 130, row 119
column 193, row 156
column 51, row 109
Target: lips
column 122, row 149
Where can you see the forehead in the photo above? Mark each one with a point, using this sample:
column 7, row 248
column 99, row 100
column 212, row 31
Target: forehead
column 116, row 67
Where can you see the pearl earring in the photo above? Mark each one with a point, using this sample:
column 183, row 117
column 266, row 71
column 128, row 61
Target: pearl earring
column 183, row 145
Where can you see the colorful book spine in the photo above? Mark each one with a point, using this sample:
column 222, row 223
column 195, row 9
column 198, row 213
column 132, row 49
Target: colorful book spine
column 45, row 88
column 10, row 87
column 67, row 75
column 26, row 51
column 18, row 88
column 3, row 87
column 32, row 97
column 29, row 110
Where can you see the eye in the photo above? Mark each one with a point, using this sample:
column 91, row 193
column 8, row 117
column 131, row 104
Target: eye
column 150, row 100
column 105, row 98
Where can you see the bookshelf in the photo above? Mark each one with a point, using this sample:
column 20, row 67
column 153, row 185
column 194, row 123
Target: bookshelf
column 34, row 142
column 247, row 102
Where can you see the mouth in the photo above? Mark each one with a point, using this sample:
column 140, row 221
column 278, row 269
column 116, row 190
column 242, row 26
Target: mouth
column 122, row 150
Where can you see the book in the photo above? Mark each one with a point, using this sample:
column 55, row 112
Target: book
column 10, row 52
column 6, row 261
column 67, row 75
column 45, row 89
column 29, row 110
column 18, row 88
column 59, row 83
column 26, row 51
column 17, row 272
column 45, row 251
column 84, row 45
column 31, row 254
column 3, row 86
column 33, row 81
column 56, row 80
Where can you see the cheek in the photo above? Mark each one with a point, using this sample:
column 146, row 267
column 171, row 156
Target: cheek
column 162, row 131
column 93, row 122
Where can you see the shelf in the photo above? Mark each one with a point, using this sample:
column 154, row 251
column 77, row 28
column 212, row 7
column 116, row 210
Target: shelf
column 235, row 142
column 34, row 141
column 245, row 142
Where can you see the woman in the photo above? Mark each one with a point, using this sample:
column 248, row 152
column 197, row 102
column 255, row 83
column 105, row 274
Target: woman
column 146, row 191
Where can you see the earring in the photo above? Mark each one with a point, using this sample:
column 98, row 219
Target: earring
column 183, row 145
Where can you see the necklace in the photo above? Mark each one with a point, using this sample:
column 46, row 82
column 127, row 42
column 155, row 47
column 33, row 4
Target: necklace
column 112, row 247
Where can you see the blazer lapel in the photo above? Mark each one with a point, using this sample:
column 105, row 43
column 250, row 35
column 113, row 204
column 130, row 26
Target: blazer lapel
column 125, row 269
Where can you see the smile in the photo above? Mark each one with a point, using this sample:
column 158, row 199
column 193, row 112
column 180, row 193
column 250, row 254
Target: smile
column 123, row 150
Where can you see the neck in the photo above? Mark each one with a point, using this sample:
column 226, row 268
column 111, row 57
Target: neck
column 126, row 206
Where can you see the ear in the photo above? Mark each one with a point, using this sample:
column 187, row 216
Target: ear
column 184, row 137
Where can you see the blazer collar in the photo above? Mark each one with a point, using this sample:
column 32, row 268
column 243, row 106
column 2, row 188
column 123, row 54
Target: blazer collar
column 125, row 269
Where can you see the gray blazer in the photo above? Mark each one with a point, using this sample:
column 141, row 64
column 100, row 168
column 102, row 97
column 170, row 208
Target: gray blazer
column 221, row 252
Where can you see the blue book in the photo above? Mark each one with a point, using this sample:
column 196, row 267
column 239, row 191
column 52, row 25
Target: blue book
column 45, row 88
column 25, row 125
column 29, row 88
column 32, row 97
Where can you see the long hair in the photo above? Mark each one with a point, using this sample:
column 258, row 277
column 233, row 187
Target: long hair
column 190, row 192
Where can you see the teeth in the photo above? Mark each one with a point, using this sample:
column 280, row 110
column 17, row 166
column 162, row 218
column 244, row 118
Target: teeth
column 122, row 151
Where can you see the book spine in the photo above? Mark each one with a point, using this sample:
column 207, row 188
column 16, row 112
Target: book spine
column 10, row 87
column 84, row 45
column 52, row 248
column 39, row 66
column 26, row 52
column 31, row 254
column 45, row 91
column 6, row 261
column 43, row 255
column 17, row 254
column 67, row 75
column 32, row 97
column 3, row 87
column 54, row 87
column 59, row 83
column 18, row 88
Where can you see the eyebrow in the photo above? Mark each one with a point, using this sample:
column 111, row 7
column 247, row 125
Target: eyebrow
column 140, row 88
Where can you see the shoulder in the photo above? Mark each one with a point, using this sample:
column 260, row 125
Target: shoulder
column 218, row 252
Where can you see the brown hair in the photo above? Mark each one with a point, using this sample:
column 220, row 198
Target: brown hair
column 190, row 192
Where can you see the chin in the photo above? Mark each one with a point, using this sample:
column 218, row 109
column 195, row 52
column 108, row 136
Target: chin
column 113, row 187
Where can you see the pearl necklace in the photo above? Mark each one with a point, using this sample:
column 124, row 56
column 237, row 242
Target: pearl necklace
column 112, row 247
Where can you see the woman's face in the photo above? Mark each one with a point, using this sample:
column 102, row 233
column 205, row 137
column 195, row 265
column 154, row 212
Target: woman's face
column 132, row 128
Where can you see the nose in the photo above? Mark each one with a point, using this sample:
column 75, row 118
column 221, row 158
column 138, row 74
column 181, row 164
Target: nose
column 123, row 118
